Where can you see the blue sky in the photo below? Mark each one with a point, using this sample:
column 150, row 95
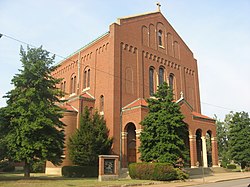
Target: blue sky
column 218, row 33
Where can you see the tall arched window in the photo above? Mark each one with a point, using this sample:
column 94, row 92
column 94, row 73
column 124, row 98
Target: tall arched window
column 73, row 84
column 161, row 75
column 151, row 81
column 171, row 81
column 101, row 103
column 86, row 78
column 63, row 86
column 160, row 43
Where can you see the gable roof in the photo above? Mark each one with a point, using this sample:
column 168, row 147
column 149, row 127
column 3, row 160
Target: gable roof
column 136, row 15
column 87, row 95
column 140, row 102
column 198, row 115
column 69, row 108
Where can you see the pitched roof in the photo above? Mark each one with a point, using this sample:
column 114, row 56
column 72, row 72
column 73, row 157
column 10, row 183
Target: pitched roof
column 198, row 115
column 84, row 47
column 136, row 103
column 68, row 107
column 138, row 15
column 87, row 95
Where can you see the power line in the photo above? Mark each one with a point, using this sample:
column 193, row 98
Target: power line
column 20, row 41
column 217, row 106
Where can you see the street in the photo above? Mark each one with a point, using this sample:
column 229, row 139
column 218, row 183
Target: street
column 232, row 183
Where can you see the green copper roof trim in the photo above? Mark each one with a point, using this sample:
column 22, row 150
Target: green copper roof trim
column 84, row 47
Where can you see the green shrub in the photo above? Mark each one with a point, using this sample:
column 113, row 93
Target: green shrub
column 247, row 169
column 6, row 166
column 224, row 164
column 181, row 174
column 38, row 167
column 141, row 171
column 231, row 166
column 155, row 171
column 164, row 172
column 80, row 171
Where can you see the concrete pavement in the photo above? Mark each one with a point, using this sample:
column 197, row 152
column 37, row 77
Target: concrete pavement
column 215, row 177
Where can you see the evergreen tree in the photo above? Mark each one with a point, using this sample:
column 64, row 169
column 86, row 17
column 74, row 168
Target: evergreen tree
column 102, row 142
column 239, row 139
column 33, row 127
column 162, row 138
column 3, row 130
column 90, row 140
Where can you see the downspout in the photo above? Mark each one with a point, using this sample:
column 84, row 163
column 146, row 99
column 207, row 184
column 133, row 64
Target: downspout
column 121, row 105
column 78, row 88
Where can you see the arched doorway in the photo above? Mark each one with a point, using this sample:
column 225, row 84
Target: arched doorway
column 199, row 147
column 209, row 148
column 131, row 143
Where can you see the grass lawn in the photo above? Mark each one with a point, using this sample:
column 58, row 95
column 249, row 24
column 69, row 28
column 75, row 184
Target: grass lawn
column 17, row 180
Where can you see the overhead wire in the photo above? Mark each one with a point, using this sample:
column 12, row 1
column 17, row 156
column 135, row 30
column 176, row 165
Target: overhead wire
column 60, row 56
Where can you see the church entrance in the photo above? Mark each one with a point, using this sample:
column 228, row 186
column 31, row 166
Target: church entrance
column 199, row 148
column 131, row 143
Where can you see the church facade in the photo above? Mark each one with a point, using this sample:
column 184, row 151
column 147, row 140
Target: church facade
column 117, row 72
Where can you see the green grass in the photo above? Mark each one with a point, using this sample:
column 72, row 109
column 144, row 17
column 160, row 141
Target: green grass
column 38, row 180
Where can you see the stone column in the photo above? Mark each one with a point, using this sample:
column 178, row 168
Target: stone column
column 138, row 143
column 214, row 152
column 193, row 150
column 204, row 151
column 124, row 149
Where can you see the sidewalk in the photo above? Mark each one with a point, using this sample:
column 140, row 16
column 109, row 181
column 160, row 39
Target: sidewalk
column 216, row 177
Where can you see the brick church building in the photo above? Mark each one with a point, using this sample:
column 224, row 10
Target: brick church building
column 118, row 71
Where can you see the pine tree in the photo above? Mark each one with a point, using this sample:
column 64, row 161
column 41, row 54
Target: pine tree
column 90, row 140
column 162, row 138
column 239, row 138
column 34, row 130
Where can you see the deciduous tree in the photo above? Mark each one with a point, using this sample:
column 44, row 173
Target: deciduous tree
column 33, row 130
column 239, row 138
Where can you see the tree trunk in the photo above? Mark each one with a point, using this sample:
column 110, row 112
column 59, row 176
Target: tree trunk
column 26, row 169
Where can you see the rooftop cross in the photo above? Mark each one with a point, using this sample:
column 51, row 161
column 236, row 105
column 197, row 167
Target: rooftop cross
column 159, row 6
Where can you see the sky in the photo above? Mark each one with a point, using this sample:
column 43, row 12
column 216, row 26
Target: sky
column 218, row 33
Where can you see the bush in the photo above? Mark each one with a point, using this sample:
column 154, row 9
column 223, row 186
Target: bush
column 247, row 169
column 38, row 167
column 141, row 171
column 224, row 164
column 231, row 166
column 80, row 171
column 181, row 174
column 155, row 171
column 6, row 166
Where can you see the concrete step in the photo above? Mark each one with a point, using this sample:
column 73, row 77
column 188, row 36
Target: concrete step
column 219, row 170
column 199, row 171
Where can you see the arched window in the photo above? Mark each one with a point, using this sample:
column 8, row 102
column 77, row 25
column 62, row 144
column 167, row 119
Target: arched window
column 161, row 75
column 73, row 84
column 63, row 86
column 101, row 103
column 151, row 81
column 86, row 78
column 160, row 38
column 171, row 81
